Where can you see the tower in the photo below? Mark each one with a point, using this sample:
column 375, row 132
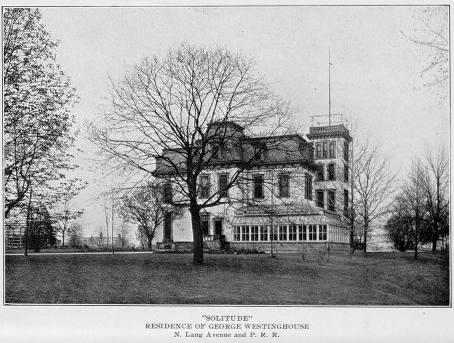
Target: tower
column 332, row 156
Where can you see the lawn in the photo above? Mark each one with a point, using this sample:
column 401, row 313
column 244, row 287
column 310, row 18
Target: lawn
column 373, row 279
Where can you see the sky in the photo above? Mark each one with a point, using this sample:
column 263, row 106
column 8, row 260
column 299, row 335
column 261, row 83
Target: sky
column 375, row 72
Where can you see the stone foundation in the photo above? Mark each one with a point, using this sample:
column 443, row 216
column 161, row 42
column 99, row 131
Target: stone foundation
column 287, row 247
column 278, row 247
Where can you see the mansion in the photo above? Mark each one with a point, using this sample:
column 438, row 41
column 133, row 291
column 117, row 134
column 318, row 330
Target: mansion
column 293, row 194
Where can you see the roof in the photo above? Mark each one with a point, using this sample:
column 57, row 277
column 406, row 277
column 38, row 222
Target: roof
column 279, row 210
column 316, row 132
column 277, row 150
column 228, row 123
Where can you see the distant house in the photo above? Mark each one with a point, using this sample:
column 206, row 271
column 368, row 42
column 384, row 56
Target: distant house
column 294, row 195
column 103, row 242
column 14, row 232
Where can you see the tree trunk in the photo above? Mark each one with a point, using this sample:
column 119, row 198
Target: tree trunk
column 416, row 241
column 63, row 239
column 149, row 246
column 27, row 223
column 416, row 249
column 366, row 228
column 197, row 236
column 434, row 244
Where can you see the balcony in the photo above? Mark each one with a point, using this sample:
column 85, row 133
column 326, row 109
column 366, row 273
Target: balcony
column 213, row 238
column 324, row 131
column 214, row 242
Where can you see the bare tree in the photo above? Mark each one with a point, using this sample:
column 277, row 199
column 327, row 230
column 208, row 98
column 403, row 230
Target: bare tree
column 414, row 201
column 124, row 232
column 173, row 109
column 430, row 31
column 64, row 212
column 145, row 205
column 435, row 184
column 373, row 186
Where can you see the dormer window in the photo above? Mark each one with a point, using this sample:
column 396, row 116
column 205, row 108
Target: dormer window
column 259, row 152
column 215, row 152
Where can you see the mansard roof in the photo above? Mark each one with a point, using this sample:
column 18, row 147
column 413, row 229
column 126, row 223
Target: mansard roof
column 240, row 150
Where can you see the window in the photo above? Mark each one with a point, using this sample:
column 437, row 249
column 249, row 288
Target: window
column 254, row 233
column 322, row 233
column 282, row 232
column 258, row 186
column 320, row 172
column 331, row 201
column 292, row 233
column 320, row 198
column 245, row 233
column 318, row 150
column 331, row 172
column 223, row 180
column 263, row 233
column 273, row 234
column 260, row 152
column 301, row 232
column 304, row 233
column 312, row 232
column 346, row 151
column 332, row 149
column 237, row 233
column 205, row 224
column 204, row 188
column 215, row 151
column 167, row 192
column 345, row 173
column 284, row 189
column 308, row 186
column 218, row 227
column 346, row 202
column 167, row 227
column 325, row 149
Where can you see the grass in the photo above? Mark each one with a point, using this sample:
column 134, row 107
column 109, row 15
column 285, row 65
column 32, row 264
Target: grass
column 372, row 279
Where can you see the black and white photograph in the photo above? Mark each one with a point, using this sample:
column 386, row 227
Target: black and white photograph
column 265, row 172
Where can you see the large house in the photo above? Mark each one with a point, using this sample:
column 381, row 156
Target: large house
column 293, row 194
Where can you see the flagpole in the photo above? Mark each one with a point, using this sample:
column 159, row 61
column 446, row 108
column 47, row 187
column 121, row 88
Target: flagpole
column 329, row 86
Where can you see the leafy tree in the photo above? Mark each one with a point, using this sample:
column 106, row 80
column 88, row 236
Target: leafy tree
column 400, row 231
column 76, row 233
column 37, row 100
column 40, row 229
column 171, row 110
